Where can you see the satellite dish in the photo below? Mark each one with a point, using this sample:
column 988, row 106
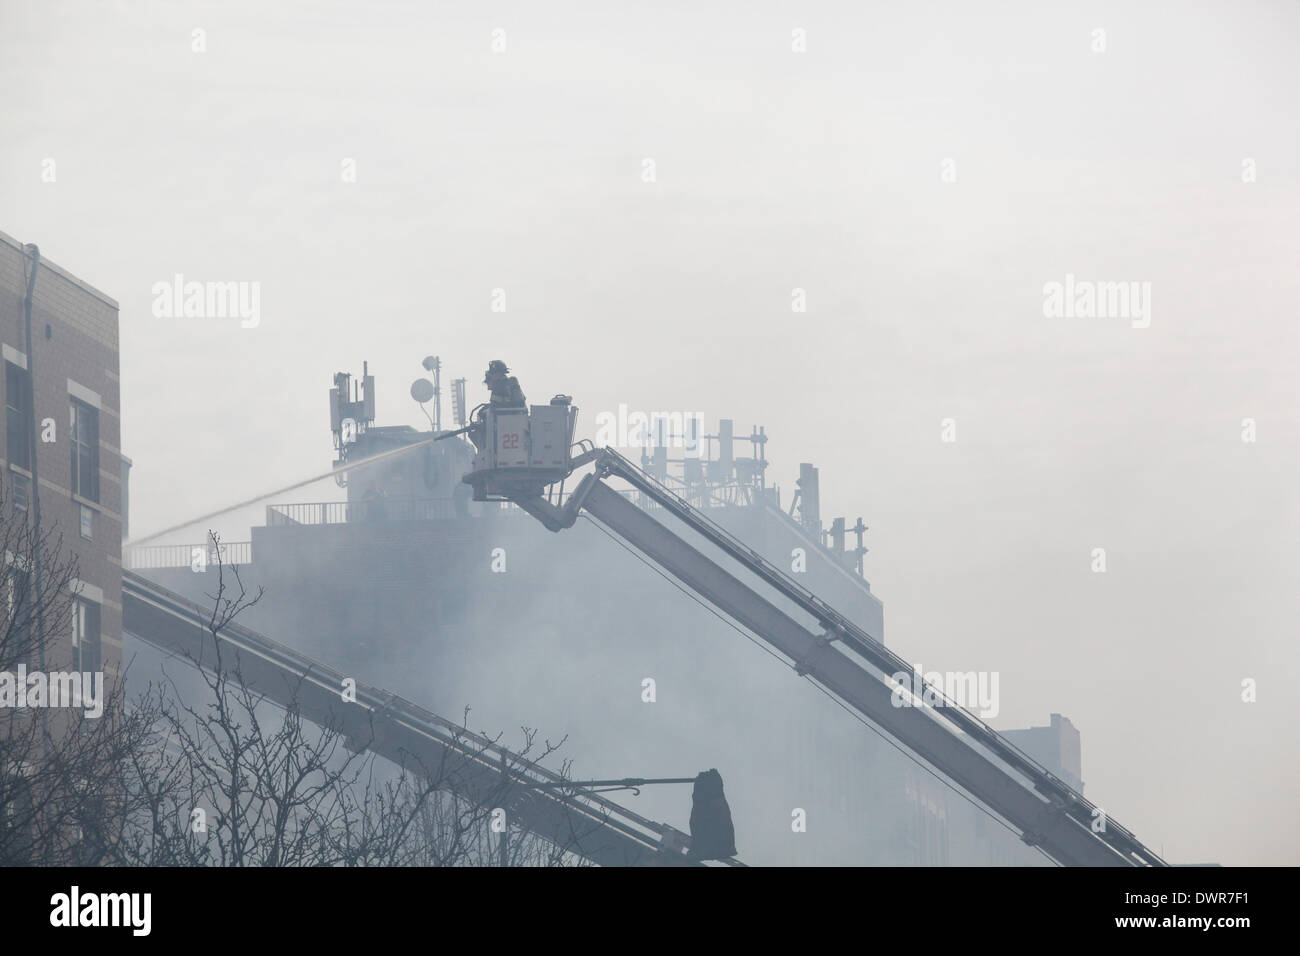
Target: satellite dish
column 430, row 362
column 422, row 390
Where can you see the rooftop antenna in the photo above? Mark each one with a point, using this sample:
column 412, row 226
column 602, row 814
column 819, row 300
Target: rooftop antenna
column 434, row 364
column 352, row 409
column 422, row 390
column 458, row 401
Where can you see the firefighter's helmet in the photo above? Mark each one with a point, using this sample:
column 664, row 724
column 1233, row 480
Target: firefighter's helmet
column 495, row 367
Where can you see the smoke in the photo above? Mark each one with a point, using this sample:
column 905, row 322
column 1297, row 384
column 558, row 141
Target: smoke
column 349, row 466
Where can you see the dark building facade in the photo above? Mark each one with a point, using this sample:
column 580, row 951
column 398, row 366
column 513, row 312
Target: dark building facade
column 77, row 475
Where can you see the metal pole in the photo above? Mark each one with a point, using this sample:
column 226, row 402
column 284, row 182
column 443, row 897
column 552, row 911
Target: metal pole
column 34, row 495
column 625, row 782
column 437, row 394
column 505, row 829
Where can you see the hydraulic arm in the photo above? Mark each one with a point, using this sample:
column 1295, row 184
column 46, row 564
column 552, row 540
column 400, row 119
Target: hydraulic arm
column 847, row 662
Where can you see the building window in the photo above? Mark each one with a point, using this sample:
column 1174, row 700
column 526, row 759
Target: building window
column 85, row 450
column 86, row 653
column 18, row 814
column 19, row 486
column 18, row 417
column 87, row 522
column 18, row 645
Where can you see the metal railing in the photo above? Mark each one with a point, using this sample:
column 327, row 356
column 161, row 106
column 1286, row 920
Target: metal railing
column 156, row 556
column 366, row 510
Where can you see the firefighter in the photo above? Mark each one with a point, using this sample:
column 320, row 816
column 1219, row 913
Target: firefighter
column 505, row 389
column 506, row 393
column 713, row 837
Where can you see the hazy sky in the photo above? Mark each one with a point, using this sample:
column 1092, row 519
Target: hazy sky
column 828, row 170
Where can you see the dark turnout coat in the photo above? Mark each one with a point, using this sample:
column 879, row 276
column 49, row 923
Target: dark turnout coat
column 506, row 393
column 712, row 834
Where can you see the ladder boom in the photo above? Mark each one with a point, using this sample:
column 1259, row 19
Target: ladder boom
column 1046, row 811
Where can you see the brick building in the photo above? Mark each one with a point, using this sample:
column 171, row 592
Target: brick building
column 76, row 479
